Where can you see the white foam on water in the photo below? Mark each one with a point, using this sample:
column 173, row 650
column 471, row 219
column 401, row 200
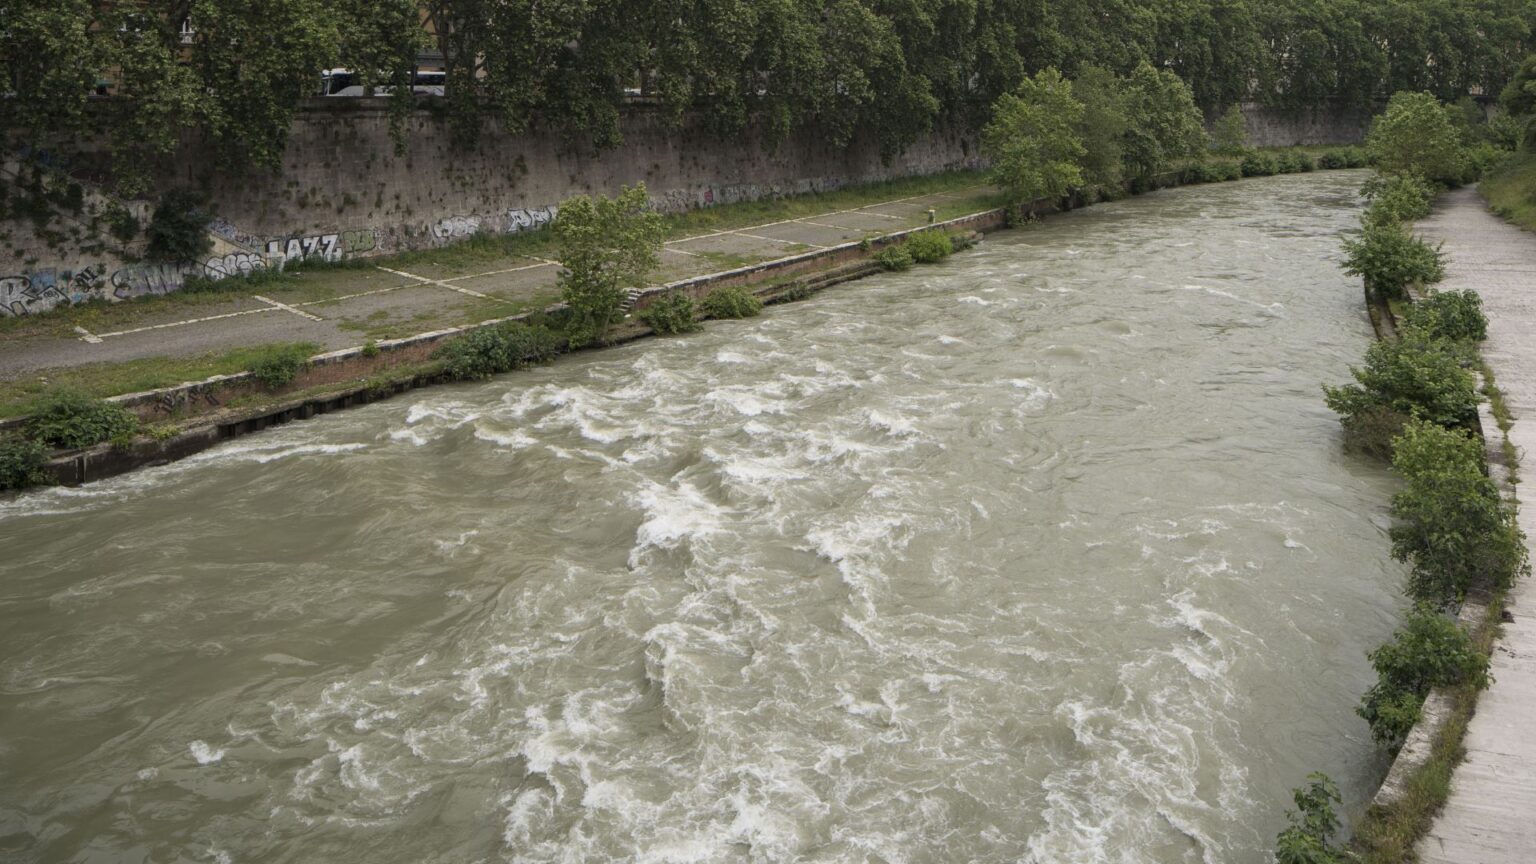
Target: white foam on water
column 517, row 439
column 204, row 754
column 974, row 301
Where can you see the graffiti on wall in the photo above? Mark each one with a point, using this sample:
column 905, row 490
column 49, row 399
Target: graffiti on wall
column 325, row 247
column 522, row 219
column 229, row 232
column 41, row 290
column 456, row 227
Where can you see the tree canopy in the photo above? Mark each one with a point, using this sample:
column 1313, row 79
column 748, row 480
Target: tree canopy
column 893, row 68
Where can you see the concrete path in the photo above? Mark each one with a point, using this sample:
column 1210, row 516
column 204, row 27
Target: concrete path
column 340, row 309
column 1491, row 815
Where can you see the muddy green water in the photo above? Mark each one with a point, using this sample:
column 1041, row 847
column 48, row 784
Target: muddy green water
column 1046, row 554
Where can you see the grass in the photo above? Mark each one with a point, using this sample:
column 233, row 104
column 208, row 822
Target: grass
column 1510, row 190
column 133, row 376
column 1505, row 418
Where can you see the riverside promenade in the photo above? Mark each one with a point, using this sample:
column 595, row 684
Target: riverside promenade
column 1491, row 815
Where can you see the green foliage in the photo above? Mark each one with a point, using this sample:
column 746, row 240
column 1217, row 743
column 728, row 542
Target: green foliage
column 1202, row 172
column 1397, row 198
column 1102, row 127
column 1415, row 377
column 1449, row 523
column 1295, row 162
column 121, row 224
column 1415, row 135
column 1453, row 315
column 1033, row 140
column 489, row 351
column 1260, row 165
column 607, row 245
column 1229, row 135
column 929, row 247
column 278, row 366
column 1390, row 259
column 1313, row 824
column 70, row 419
column 21, row 462
column 1518, row 100
column 1429, row 651
column 895, row 257
column 1343, row 157
column 1164, row 124
column 731, row 302
column 178, row 231
column 670, row 315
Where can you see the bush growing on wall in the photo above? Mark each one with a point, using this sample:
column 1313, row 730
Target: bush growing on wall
column 1454, row 315
column 21, row 462
column 930, row 247
column 178, row 230
column 670, row 315
column 491, row 351
column 278, row 366
column 1390, row 259
column 1396, row 198
column 71, row 419
column 607, row 245
column 731, row 302
column 1429, row 651
column 1313, row 824
column 895, row 257
column 1414, row 377
column 1449, row 523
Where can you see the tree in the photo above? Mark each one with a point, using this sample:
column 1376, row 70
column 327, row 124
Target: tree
column 1033, row 139
column 1165, row 125
column 1449, row 523
column 606, row 246
column 1414, row 135
column 1230, row 135
column 1102, row 127
column 1430, row 650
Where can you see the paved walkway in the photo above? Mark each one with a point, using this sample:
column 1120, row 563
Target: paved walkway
column 343, row 308
column 1491, row 815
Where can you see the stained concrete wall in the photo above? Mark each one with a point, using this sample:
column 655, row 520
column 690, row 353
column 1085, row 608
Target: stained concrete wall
column 343, row 190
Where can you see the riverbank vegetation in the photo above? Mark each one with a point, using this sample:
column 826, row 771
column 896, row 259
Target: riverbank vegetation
column 839, row 67
column 1415, row 402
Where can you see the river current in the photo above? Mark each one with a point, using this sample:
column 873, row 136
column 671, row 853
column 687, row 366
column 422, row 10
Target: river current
column 1048, row 553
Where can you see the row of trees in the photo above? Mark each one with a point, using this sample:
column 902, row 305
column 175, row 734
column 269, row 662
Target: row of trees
column 235, row 68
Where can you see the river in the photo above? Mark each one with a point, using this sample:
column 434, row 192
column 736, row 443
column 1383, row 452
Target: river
column 1048, row 553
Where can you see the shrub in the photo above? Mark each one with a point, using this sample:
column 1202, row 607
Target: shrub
column 1449, row 523
column 1259, row 165
column 929, row 247
column 1415, row 135
column 1313, row 823
column 1293, row 162
column 1430, row 650
column 1229, row 171
column 71, row 419
column 1414, row 376
column 1454, row 315
column 178, row 230
column 21, row 462
column 670, row 315
column 1334, row 160
column 895, row 257
column 731, row 302
column 492, row 350
column 1033, row 140
column 1389, row 259
column 1201, row 172
column 279, row 366
column 607, row 245
column 1229, row 135
column 1397, row 198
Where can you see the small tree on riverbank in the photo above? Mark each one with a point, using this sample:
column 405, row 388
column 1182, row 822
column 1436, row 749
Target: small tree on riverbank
column 606, row 246
column 1415, row 136
column 1032, row 139
column 1165, row 124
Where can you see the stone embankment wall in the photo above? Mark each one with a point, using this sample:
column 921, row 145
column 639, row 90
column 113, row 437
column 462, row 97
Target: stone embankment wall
column 343, row 189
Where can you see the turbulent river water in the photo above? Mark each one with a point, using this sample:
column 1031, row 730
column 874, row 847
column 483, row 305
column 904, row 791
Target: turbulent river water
column 1047, row 554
